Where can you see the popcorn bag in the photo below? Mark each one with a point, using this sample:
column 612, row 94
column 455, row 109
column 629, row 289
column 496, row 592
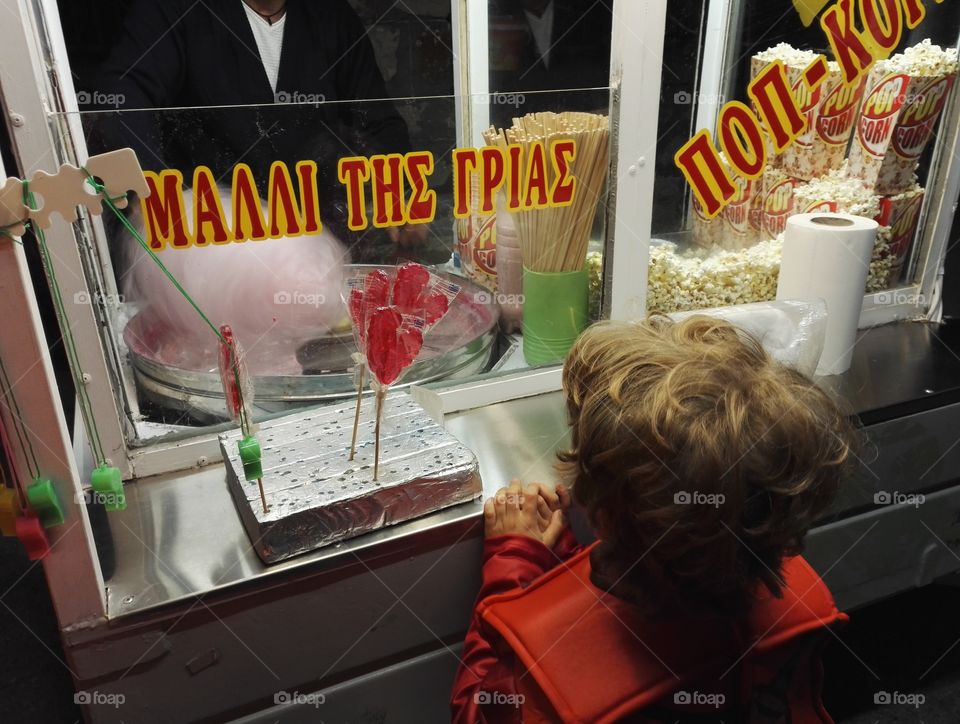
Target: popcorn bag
column 738, row 233
column 904, row 97
column 778, row 190
column 477, row 241
column 810, row 156
column 757, row 63
column 706, row 232
column 901, row 213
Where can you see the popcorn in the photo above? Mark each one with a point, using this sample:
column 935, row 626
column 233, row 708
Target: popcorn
column 837, row 193
column 698, row 279
column 786, row 54
column 881, row 263
column 923, row 59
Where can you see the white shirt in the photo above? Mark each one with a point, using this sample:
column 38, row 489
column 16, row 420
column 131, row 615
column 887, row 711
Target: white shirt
column 542, row 28
column 269, row 42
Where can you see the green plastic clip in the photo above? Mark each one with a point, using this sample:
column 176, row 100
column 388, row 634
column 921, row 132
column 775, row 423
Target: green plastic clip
column 250, row 456
column 43, row 499
column 108, row 488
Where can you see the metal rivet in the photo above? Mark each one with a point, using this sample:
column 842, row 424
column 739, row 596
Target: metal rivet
column 127, row 600
column 17, row 120
column 87, row 378
column 641, row 162
column 202, row 460
column 632, row 170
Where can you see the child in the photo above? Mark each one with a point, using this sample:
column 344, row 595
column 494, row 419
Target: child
column 701, row 464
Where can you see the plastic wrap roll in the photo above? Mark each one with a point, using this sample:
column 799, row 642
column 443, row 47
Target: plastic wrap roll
column 827, row 256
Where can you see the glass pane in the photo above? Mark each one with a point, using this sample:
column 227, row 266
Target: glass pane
column 282, row 294
column 860, row 141
column 247, row 161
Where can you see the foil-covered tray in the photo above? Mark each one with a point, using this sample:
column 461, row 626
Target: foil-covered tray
column 316, row 496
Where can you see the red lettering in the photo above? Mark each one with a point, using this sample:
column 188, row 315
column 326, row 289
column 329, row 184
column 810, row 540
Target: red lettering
column 423, row 205
column 163, row 210
column 777, row 105
column 742, row 140
column 309, row 197
column 387, row 189
column 207, row 210
column 701, row 166
column 845, row 40
column 354, row 172
column 463, row 160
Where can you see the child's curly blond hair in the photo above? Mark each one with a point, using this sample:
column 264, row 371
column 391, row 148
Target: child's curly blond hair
column 700, row 460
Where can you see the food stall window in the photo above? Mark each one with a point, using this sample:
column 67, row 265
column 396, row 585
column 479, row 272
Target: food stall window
column 851, row 152
column 285, row 160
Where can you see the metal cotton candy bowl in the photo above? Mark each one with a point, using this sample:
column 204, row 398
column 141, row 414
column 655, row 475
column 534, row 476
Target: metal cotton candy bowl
column 462, row 344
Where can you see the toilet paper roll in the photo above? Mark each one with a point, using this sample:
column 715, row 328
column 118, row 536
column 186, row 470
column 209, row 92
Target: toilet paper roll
column 826, row 256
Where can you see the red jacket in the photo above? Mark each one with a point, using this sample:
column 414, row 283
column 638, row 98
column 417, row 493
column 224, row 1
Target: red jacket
column 546, row 645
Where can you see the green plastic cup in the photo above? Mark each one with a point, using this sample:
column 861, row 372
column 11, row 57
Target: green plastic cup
column 555, row 312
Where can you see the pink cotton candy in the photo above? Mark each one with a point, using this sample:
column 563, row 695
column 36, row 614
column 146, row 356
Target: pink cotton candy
column 276, row 294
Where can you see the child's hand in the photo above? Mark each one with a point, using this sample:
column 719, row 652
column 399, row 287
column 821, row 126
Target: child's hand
column 533, row 511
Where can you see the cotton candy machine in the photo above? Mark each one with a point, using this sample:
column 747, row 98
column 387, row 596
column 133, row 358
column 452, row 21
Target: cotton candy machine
column 187, row 382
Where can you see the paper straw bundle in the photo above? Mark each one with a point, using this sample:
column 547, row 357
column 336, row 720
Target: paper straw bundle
column 555, row 239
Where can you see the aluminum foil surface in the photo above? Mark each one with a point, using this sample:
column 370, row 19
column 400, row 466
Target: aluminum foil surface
column 316, row 496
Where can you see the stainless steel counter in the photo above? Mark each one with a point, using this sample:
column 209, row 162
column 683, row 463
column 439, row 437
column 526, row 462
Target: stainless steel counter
column 180, row 535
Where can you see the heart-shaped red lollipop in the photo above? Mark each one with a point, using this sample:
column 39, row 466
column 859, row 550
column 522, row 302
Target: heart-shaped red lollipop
column 413, row 295
column 392, row 346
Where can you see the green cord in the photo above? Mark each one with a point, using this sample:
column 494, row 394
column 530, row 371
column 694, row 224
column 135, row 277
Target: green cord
column 101, row 189
column 86, row 407
column 22, row 437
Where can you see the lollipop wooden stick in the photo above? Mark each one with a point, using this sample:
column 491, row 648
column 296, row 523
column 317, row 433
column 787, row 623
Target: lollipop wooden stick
column 381, row 393
column 356, row 414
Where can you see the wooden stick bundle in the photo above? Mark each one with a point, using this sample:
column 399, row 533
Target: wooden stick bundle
column 556, row 239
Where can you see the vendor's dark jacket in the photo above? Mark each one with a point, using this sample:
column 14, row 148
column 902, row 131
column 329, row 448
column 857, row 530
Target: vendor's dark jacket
column 189, row 55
